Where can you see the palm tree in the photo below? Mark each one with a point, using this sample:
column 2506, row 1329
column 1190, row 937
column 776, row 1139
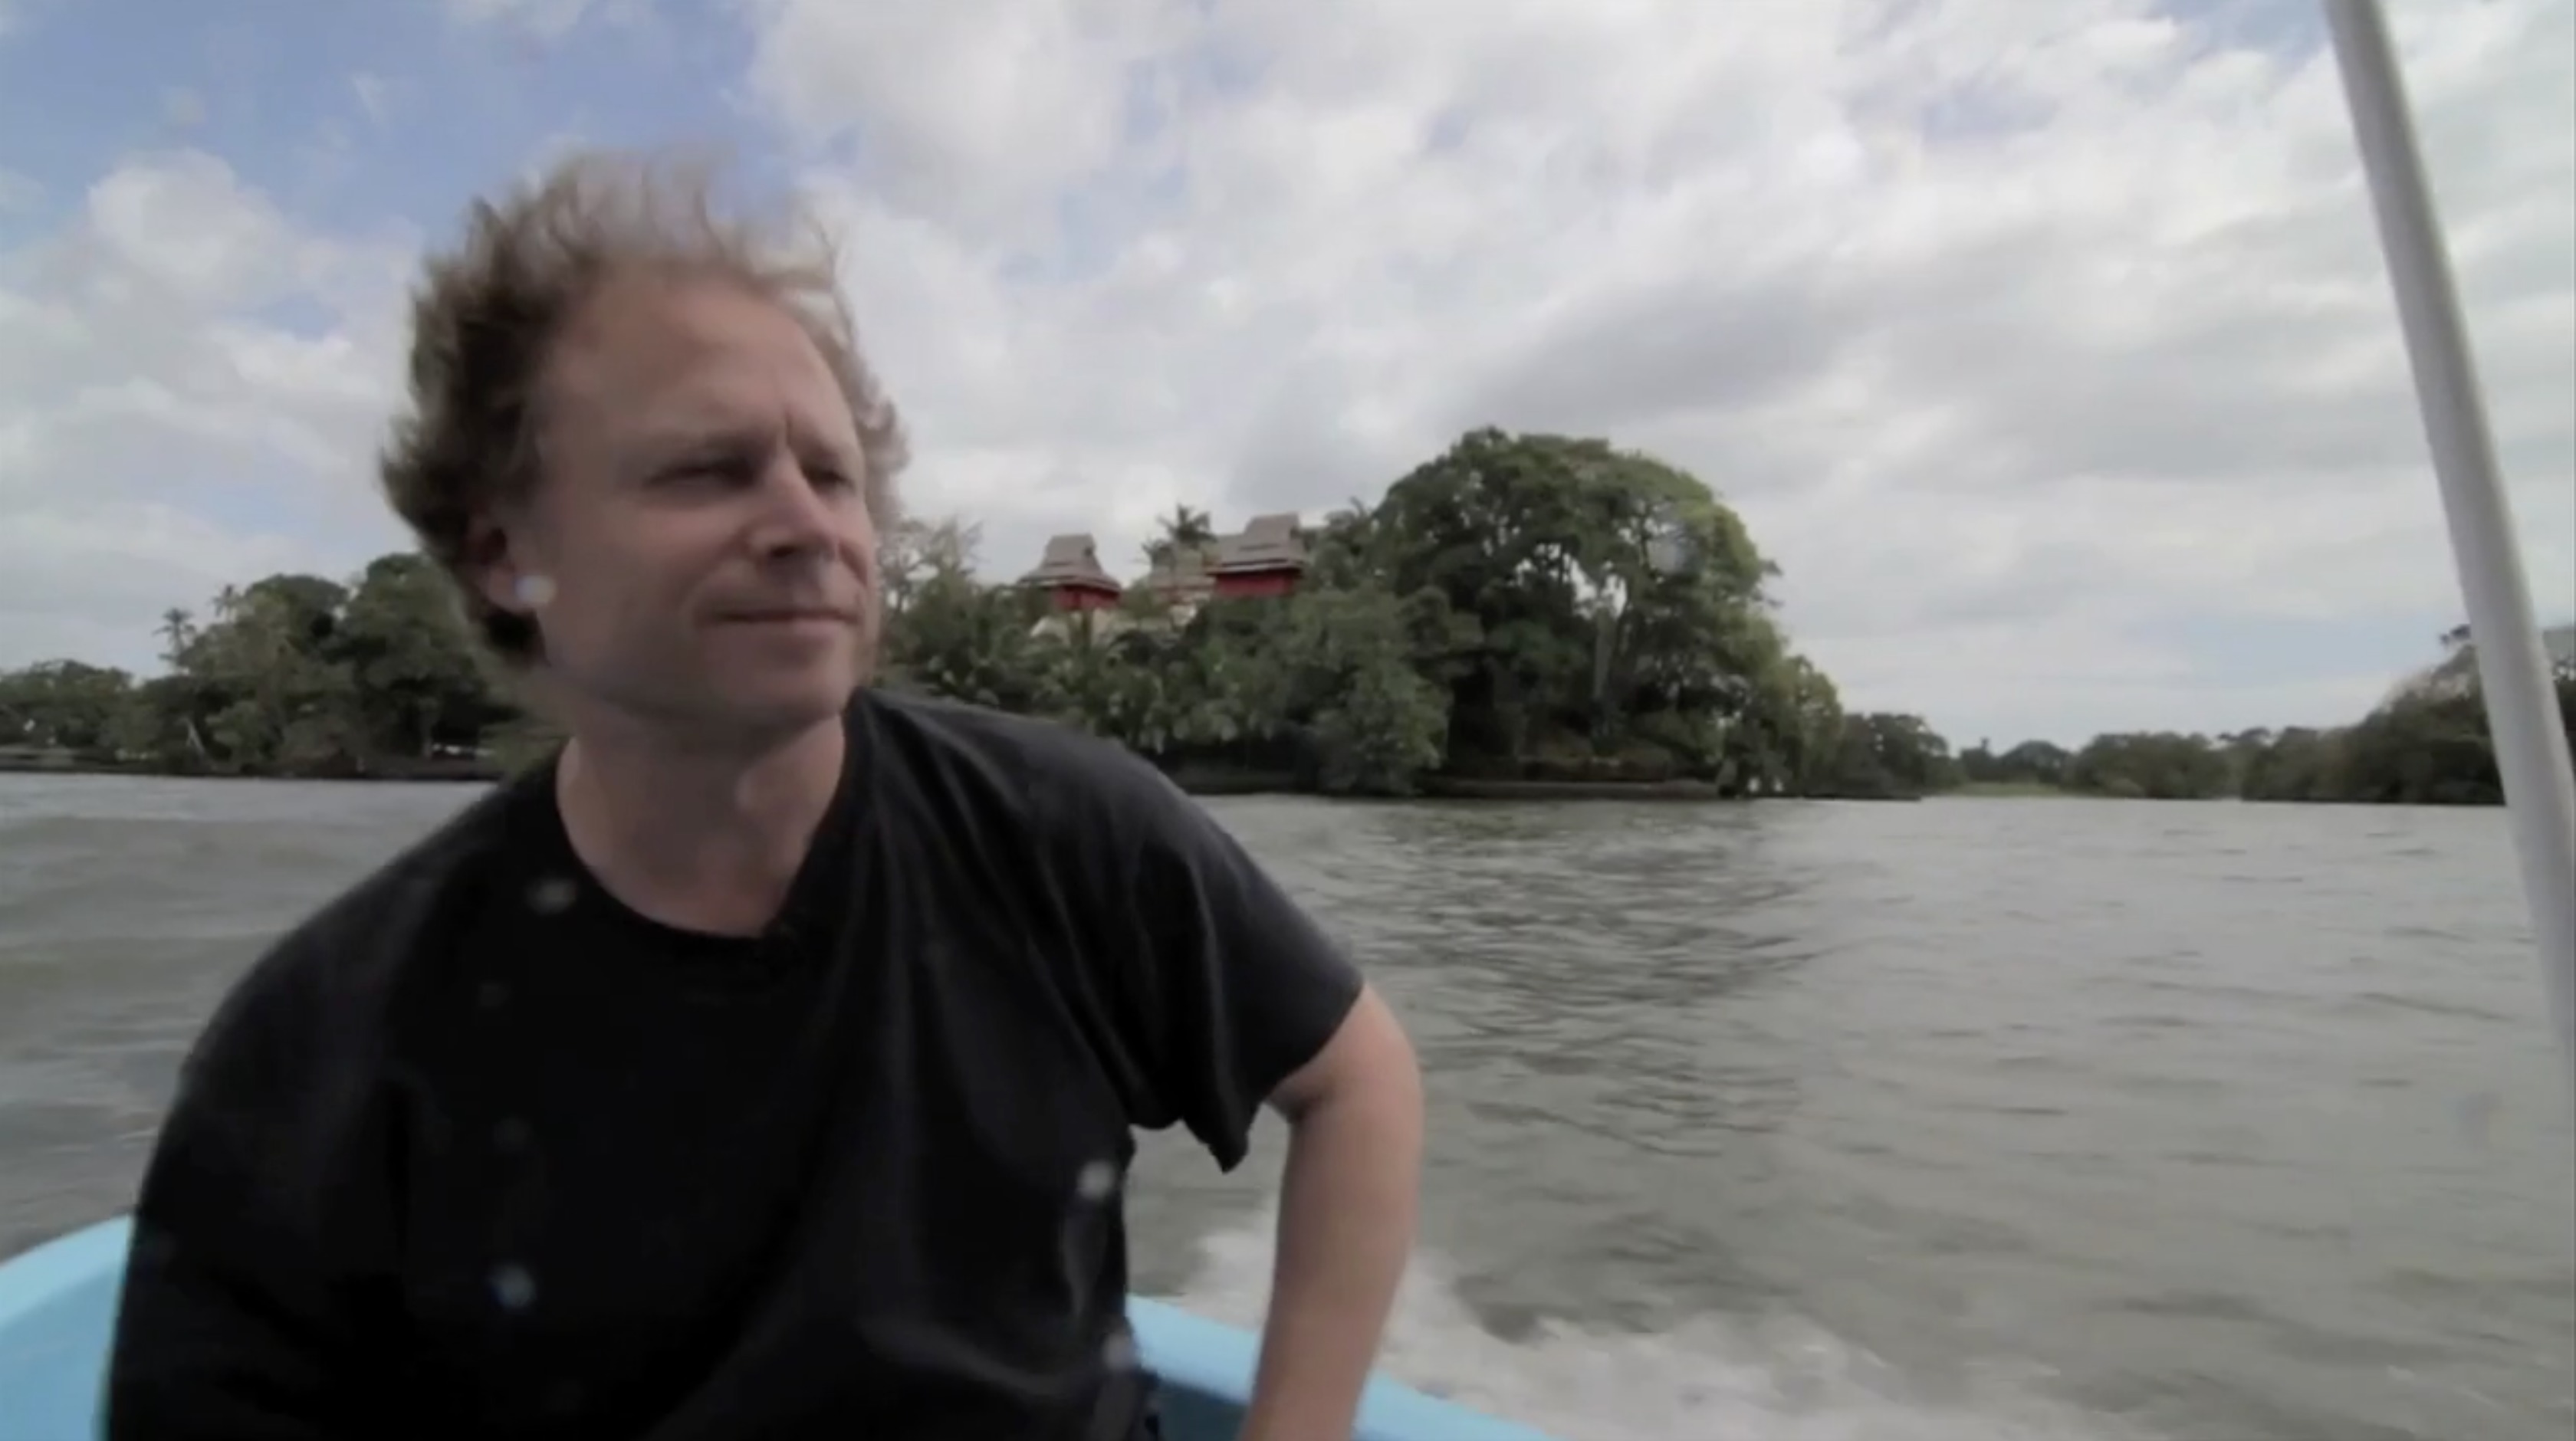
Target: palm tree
column 1185, row 526
column 175, row 632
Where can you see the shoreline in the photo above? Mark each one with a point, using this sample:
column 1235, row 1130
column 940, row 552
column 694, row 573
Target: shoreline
column 1202, row 781
column 402, row 773
column 1196, row 781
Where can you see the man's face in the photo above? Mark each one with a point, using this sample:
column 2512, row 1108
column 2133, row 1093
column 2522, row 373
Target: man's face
column 698, row 553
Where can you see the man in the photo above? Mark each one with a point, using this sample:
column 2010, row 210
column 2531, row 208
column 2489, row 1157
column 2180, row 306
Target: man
column 763, row 1065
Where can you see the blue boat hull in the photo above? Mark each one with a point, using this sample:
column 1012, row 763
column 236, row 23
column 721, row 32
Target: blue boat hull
column 58, row 1308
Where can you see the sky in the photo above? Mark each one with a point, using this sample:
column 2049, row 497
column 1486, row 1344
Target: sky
column 2044, row 345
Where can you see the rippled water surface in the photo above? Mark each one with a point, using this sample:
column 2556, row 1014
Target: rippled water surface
column 1962, row 1121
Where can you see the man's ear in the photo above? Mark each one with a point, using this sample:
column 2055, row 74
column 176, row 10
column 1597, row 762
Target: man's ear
column 499, row 576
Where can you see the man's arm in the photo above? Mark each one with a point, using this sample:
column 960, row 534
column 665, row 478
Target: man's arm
column 223, row 1327
column 1346, row 1220
column 1239, row 1000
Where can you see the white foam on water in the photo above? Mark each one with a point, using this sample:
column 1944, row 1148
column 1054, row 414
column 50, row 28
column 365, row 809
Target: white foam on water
column 1710, row 1380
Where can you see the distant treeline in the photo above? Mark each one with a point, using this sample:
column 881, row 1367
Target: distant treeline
column 2425, row 745
column 1519, row 612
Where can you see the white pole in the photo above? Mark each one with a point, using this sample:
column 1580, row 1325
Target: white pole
column 2513, row 665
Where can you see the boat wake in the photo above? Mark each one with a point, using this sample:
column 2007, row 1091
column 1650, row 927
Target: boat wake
column 1710, row 1380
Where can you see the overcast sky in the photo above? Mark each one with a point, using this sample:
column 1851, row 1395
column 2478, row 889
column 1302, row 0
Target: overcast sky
column 2043, row 343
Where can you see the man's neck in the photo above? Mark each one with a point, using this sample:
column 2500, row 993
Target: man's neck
column 705, row 838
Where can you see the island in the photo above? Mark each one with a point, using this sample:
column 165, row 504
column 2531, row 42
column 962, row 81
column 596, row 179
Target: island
column 1523, row 616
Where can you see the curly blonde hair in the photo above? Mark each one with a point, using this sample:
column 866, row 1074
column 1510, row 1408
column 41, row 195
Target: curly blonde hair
column 487, row 313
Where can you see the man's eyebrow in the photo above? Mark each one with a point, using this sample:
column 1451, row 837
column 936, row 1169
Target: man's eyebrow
column 670, row 439
column 670, row 442
column 676, row 428
column 840, row 454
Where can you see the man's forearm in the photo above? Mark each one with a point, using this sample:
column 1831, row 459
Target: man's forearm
column 1346, row 1218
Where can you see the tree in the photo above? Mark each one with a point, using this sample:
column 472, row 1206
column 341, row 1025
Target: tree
column 948, row 633
column 2032, row 763
column 2426, row 744
column 1885, row 753
column 1611, row 612
column 1184, row 529
column 417, row 685
column 2160, row 765
column 293, row 674
column 1535, row 607
column 61, row 705
column 1520, row 605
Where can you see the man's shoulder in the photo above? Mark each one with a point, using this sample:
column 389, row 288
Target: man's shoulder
column 1061, row 777
column 343, row 961
column 422, row 879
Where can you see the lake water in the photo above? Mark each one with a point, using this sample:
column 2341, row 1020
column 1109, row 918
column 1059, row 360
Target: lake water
column 1961, row 1121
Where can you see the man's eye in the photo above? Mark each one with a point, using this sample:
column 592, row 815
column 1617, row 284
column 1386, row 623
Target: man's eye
column 704, row 470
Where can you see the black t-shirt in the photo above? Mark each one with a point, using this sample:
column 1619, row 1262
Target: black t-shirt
column 478, row 1151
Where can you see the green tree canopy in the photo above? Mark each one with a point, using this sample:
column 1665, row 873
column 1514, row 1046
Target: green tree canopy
column 1517, row 608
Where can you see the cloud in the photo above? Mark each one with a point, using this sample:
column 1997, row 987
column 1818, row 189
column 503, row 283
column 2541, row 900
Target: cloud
column 182, row 109
column 375, row 94
column 2046, row 348
column 538, row 19
column 189, row 389
column 538, row 23
column 2024, row 347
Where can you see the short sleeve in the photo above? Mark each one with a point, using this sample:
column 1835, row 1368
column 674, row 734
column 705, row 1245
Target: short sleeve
column 1228, row 985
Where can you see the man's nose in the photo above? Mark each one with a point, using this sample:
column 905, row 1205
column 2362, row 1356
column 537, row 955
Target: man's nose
column 796, row 517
